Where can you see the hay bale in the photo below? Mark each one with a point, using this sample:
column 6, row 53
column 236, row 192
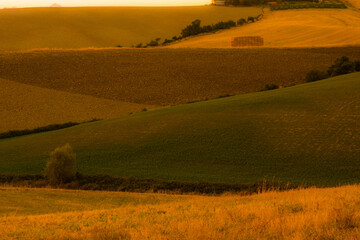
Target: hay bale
column 247, row 41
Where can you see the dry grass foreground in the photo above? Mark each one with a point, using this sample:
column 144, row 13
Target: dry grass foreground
column 30, row 28
column 292, row 28
column 332, row 213
column 166, row 76
column 23, row 106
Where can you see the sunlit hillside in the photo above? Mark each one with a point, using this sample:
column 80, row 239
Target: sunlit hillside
column 300, row 214
column 306, row 134
column 27, row 107
column 103, row 26
column 291, row 28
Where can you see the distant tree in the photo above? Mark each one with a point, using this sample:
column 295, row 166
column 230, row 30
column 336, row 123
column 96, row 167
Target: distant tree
column 315, row 75
column 192, row 29
column 139, row 45
column 241, row 21
column 153, row 43
column 342, row 66
column 61, row 166
column 270, row 87
column 357, row 66
column 251, row 19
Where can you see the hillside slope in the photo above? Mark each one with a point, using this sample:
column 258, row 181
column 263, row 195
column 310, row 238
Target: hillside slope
column 167, row 76
column 304, row 134
column 26, row 107
column 292, row 28
column 103, row 26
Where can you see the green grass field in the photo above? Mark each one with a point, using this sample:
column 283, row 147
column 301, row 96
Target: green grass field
column 103, row 26
column 302, row 134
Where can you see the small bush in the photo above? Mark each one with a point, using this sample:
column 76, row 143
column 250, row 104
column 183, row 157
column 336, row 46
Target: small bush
column 60, row 168
column 341, row 66
column 241, row 21
column 316, row 75
column 251, row 19
column 357, row 66
column 270, row 87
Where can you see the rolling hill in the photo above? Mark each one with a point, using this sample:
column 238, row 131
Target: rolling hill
column 292, row 28
column 305, row 134
column 166, row 76
column 85, row 27
column 309, row 214
column 26, row 107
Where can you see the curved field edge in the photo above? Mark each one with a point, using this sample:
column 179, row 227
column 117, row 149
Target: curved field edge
column 26, row 107
column 104, row 26
column 332, row 213
column 167, row 76
column 306, row 134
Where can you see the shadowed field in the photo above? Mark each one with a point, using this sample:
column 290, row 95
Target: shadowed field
column 25, row 107
column 293, row 28
column 103, row 26
column 166, row 76
column 305, row 134
column 309, row 214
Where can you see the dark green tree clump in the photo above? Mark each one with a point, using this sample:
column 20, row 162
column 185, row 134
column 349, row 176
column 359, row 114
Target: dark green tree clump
column 60, row 168
column 341, row 66
column 316, row 75
column 195, row 28
column 270, row 87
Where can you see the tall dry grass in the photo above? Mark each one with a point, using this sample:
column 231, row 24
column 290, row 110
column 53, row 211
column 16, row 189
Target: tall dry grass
column 302, row 214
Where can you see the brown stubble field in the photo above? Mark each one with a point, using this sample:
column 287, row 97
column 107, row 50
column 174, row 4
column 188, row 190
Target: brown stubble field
column 166, row 76
column 25, row 107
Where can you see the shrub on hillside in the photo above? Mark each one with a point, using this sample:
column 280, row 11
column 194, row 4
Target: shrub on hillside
column 153, row 43
column 192, row 29
column 315, row 75
column 241, row 21
column 341, row 66
column 251, row 19
column 61, row 166
column 270, row 87
column 357, row 66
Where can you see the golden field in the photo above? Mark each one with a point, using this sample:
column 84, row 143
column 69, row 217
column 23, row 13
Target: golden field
column 84, row 27
column 355, row 3
column 166, row 76
column 292, row 28
column 26, row 107
column 332, row 213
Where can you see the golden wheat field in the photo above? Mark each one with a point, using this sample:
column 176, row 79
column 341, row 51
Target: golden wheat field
column 25, row 107
column 355, row 3
column 166, row 76
column 332, row 213
column 83, row 27
column 293, row 28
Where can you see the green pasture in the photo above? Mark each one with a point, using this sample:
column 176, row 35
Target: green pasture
column 307, row 134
